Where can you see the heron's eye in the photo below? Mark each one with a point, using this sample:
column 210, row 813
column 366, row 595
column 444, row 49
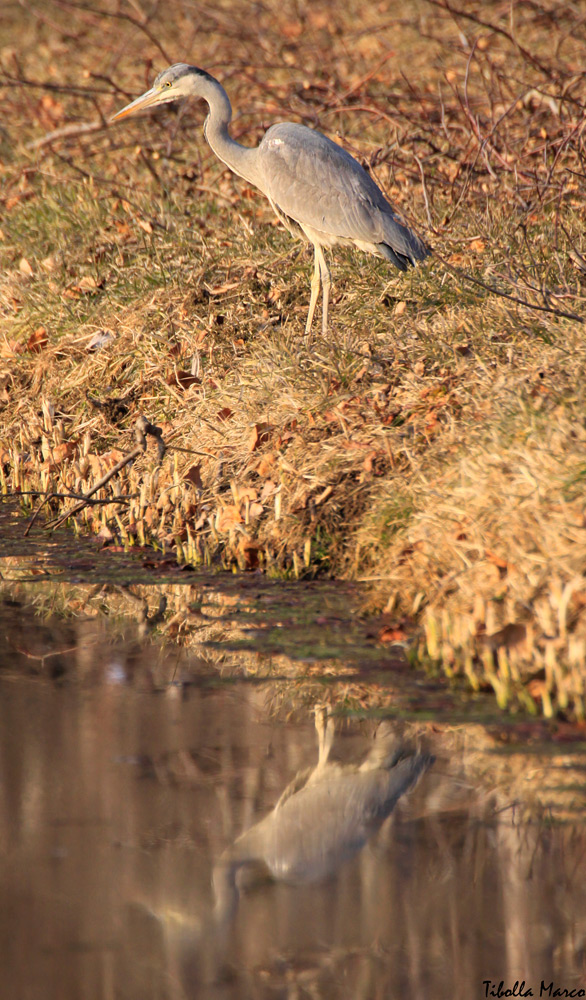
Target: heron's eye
column 169, row 83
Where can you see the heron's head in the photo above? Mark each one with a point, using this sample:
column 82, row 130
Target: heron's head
column 172, row 84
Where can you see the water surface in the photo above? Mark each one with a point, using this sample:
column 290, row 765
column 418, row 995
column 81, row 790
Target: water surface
column 131, row 770
column 117, row 802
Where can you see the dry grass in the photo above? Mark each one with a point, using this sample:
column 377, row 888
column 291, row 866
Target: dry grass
column 434, row 445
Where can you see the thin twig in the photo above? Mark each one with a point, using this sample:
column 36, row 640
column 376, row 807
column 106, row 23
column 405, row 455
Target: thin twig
column 58, row 88
column 105, row 479
column 424, row 189
column 120, row 16
column 505, row 295
column 67, row 132
column 468, row 15
column 47, row 497
column 142, row 427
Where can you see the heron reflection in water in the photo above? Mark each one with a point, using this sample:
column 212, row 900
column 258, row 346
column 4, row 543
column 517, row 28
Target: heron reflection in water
column 324, row 816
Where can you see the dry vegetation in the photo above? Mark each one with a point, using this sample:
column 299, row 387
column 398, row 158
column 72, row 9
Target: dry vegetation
column 434, row 445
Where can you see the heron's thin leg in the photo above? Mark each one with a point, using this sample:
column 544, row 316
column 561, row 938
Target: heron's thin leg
column 328, row 742
column 325, row 727
column 325, row 284
column 314, row 288
column 322, row 721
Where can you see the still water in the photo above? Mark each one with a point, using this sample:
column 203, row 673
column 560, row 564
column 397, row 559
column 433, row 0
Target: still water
column 229, row 789
column 121, row 805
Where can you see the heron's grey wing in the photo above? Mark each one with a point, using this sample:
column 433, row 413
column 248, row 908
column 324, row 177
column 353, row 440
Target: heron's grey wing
column 317, row 183
column 323, row 824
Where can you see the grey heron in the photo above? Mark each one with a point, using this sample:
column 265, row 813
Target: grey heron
column 325, row 816
column 316, row 188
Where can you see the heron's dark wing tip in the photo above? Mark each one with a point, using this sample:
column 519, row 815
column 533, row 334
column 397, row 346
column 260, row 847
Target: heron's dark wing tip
column 400, row 260
column 417, row 252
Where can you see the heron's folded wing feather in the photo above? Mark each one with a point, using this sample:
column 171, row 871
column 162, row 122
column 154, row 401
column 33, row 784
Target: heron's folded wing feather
column 316, row 182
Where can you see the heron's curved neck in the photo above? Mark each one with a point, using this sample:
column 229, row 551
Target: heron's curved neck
column 240, row 159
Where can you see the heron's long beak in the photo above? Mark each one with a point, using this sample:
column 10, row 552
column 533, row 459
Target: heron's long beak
column 149, row 99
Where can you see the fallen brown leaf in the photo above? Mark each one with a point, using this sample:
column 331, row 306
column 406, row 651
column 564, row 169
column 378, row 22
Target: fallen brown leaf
column 229, row 286
column 63, row 451
column 259, row 434
column 266, row 464
column 185, row 380
column 391, row 633
column 227, row 518
column 268, row 489
column 193, row 476
column 38, row 340
column 500, row 563
column 244, row 493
